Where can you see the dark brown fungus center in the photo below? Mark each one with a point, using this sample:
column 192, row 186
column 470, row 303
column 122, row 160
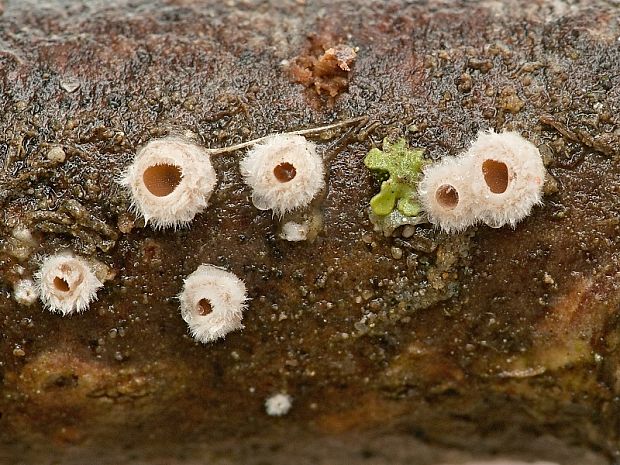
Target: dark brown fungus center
column 284, row 172
column 162, row 180
column 204, row 307
column 447, row 196
column 495, row 175
column 61, row 284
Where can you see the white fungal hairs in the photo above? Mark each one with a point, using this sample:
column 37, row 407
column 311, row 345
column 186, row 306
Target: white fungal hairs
column 285, row 172
column 66, row 284
column 171, row 180
column 497, row 181
column 507, row 177
column 212, row 303
column 446, row 195
column 278, row 404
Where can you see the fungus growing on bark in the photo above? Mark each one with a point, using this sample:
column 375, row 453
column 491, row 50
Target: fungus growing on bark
column 212, row 303
column 445, row 192
column 285, row 172
column 507, row 176
column 66, row 284
column 278, row 404
column 171, row 180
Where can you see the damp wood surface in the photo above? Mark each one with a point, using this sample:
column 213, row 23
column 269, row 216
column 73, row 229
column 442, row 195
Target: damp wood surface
column 415, row 349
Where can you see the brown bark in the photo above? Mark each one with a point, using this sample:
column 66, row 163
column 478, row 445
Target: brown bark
column 491, row 340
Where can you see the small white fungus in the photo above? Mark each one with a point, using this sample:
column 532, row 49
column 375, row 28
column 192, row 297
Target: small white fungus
column 66, row 284
column 285, row 172
column 212, row 303
column 171, row 181
column 507, row 176
column 278, row 404
column 446, row 195
column 25, row 292
column 294, row 232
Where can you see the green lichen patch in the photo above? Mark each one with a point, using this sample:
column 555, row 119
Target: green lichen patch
column 402, row 166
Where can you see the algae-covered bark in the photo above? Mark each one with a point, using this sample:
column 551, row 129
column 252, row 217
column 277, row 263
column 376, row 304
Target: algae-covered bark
column 400, row 349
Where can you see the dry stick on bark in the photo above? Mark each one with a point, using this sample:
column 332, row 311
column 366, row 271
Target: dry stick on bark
column 302, row 132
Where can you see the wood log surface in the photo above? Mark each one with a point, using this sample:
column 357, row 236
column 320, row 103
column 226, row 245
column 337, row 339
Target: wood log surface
column 413, row 348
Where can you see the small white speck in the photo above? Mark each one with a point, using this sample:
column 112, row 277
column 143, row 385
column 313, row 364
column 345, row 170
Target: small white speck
column 25, row 292
column 278, row 405
column 294, row 232
column 70, row 84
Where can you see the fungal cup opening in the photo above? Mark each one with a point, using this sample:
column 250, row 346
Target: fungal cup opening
column 162, row 179
column 61, row 284
column 447, row 196
column 204, row 307
column 495, row 176
column 284, row 172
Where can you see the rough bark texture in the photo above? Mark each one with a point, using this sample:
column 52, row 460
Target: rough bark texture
column 470, row 344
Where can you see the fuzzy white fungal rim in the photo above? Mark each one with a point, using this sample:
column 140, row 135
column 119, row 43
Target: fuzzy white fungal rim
column 66, row 284
column 445, row 193
column 285, row 172
column 278, row 404
column 171, row 180
column 212, row 303
column 507, row 177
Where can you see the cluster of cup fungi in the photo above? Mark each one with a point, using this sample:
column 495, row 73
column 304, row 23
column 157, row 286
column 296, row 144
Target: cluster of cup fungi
column 171, row 181
column 497, row 181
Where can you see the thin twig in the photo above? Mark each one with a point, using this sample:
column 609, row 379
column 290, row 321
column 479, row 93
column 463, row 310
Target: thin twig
column 302, row 132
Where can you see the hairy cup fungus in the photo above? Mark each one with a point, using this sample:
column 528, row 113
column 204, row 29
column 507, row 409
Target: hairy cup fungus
column 285, row 172
column 445, row 193
column 171, row 180
column 66, row 284
column 507, row 176
column 212, row 303
column 278, row 404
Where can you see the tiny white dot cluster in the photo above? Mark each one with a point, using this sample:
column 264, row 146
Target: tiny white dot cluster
column 278, row 404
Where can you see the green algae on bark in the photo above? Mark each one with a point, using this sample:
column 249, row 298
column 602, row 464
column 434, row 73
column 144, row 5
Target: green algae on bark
column 402, row 167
